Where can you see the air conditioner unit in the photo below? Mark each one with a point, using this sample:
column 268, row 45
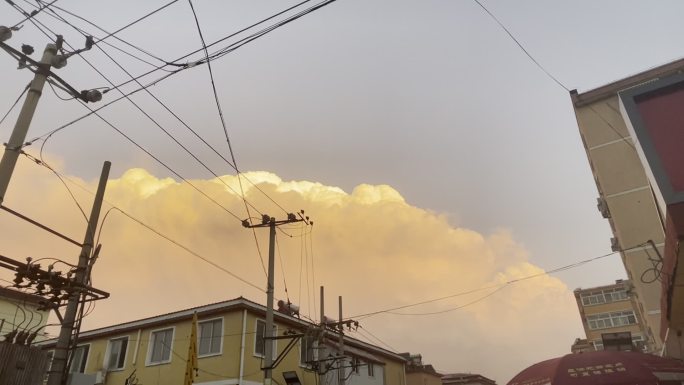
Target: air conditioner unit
column 614, row 244
column 602, row 207
column 100, row 377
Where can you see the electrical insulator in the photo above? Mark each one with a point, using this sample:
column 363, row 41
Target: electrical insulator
column 59, row 61
column 92, row 96
column 5, row 33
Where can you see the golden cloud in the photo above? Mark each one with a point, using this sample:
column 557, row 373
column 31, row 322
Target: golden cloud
column 369, row 246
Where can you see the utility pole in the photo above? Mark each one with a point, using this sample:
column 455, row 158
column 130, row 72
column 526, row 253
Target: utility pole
column 42, row 72
column 16, row 141
column 321, row 339
column 340, row 346
column 271, row 223
column 59, row 370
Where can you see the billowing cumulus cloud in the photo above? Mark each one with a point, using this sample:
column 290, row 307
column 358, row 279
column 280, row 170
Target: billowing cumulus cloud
column 369, row 246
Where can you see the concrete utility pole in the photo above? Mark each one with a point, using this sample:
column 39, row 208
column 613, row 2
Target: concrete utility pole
column 16, row 141
column 59, row 370
column 42, row 72
column 340, row 345
column 321, row 340
column 271, row 223
column 268, row 334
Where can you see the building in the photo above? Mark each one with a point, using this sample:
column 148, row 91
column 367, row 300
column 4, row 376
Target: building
column 418, row 373
column 230, row 347
column 581, row 345
column 22, row 312
column 466, row 379
column 610, row 309
column 633, row 137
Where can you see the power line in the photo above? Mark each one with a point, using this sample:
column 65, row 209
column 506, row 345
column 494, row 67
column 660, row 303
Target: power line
column 454, row 308
column 158, row 125
column 240, row 43
column 136, row 22
column 194, row 132
column 176, row 140
column 166, row 237
column 497, row 286
column 164, row 77
column 29, row 16
column 146, row 52
column 15, row 103
column 233, row 165
column 53, row 14
column 363, row 329
column 174, row 172
column 517, row 42
column 71, row 194
column 282, row 269
column 225, row 131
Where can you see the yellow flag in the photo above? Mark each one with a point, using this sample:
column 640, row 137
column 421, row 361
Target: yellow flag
column 191, row 367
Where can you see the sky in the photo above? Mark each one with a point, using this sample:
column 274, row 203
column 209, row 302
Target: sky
column 433, row 155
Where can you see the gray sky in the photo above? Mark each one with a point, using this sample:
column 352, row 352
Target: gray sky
column 429, row 97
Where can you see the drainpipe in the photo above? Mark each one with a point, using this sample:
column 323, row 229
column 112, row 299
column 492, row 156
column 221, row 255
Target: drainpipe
column 242, row 346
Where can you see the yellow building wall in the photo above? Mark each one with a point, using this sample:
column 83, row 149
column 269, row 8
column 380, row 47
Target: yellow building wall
column 211, row 368
column 422, row 379
column 394, row 373
column 33, row 319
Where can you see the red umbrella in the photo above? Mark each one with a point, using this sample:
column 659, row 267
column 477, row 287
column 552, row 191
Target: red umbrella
column 603, row 368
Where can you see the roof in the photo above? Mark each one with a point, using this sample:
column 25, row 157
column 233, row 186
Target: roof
column 465, row 378
column 624, row 284
column 611, row 89
column 239, row 303
column 19, row 296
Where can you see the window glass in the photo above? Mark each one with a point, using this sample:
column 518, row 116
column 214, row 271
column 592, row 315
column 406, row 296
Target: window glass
column 307, row 350
column 117, row 353
column 79, row 359
column 259, row 342
column 259, row 347
column 161, row 346
column 210, row 335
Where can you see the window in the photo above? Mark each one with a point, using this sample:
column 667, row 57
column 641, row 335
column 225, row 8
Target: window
column 210, row 337
column 79, row 359
column 611, row 320
column 307, row 349
column 116, row 353
column 50, row 356
column 603, row 296
column 371, row 369
column 259, row 341
column 160, row 346
column 355, row 363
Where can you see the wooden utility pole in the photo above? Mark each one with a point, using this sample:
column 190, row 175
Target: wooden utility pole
column 59, row 368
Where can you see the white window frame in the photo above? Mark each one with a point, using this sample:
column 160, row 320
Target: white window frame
column 150, row 346
column 109, row 351
column 605, row 296
column 314, row 351
column 51, row 356
column 356, row 365
column 371, row 369
column 611, row 319
column 275, row 342
column 84, row 362
column 199, row 337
